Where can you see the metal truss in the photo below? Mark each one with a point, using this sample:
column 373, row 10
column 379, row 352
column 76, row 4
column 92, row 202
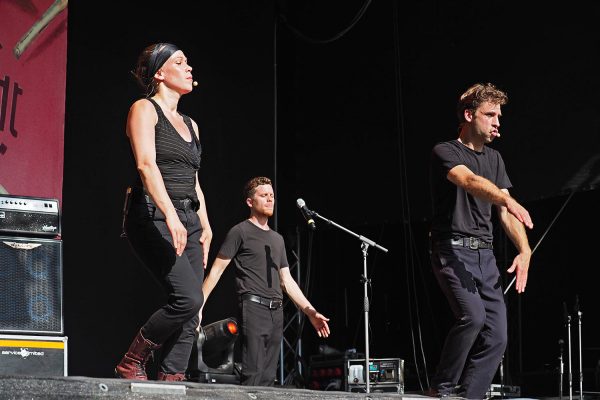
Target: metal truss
column 291, row 366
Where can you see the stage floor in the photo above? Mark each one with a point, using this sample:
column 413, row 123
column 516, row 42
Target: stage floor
column 65, row 388
column 79, row 387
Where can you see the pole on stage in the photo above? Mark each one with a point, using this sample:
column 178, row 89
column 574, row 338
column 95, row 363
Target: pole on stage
column 561, row 369
column 578, row 313
column 568, row 323
column 502, row 377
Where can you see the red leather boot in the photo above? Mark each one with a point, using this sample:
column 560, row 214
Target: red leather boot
column 170, row 377
column 133, row 364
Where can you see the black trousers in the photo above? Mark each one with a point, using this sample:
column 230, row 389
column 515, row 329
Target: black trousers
column 173, row 325
column 262, row 330
column 475, row 344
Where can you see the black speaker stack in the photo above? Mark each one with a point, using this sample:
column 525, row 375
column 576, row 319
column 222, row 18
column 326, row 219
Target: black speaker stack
column 32, row 340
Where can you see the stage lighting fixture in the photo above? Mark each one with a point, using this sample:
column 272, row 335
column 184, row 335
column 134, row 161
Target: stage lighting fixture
column 212, row 356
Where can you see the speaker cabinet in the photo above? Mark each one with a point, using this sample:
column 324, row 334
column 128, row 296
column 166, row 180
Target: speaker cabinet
column 31, row 285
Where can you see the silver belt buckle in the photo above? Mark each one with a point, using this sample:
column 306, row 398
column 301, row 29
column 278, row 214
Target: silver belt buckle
column 273, row 304
column 473, row 243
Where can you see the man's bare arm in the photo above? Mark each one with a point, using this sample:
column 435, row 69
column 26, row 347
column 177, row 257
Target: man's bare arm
column 516, row 232
column 482, row 188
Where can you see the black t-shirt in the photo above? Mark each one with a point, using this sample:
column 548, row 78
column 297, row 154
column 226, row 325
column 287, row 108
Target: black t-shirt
column 258, row 255
column 456, row 212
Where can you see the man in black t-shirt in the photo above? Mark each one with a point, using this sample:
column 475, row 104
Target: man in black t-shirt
column 261, row 272
column 467, row 178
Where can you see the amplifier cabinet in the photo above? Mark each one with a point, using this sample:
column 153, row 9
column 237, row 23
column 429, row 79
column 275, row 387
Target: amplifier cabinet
column 31, row 286
column 33, row 355
column 29, row 216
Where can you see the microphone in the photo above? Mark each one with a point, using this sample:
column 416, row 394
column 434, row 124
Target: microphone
column 306, row 213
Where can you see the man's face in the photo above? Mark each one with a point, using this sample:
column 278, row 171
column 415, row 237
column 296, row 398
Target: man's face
column 485, row 121
column 263, row 201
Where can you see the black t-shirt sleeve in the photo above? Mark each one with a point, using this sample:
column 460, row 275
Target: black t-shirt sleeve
column 232, row 243
column 283, row 261
column 446, row 157
column 502, row 180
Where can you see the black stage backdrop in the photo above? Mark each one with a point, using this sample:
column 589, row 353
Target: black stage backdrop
column 356, row 118
column 358, row 114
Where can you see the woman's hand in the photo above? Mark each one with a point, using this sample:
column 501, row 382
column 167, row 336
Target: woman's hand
column 178, row 233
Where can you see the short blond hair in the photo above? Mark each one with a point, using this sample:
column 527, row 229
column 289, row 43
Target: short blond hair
column 477, row 94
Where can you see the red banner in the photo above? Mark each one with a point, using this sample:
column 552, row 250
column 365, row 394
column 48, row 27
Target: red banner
column 33, row 58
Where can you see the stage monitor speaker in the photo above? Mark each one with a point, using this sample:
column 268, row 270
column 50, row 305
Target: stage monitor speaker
column 31, row 285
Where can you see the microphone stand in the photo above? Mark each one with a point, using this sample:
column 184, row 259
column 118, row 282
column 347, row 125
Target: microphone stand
column 561, row 369
column 502, row 377
column 578, row 312
column 365, row 243
column 570, row 373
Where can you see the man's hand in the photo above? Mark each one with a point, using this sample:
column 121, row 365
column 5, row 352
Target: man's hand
column 319, row 321
column 521, row 266
column 519, row 212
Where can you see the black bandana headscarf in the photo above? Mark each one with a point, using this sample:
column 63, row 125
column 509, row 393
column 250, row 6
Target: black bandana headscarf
column 161, row 53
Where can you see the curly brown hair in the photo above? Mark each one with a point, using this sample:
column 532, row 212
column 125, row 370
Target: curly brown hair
column 250, row 186
column 477, row 94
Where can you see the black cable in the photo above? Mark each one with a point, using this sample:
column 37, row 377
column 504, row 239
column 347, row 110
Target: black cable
column 406, row 212
column 306, row 290
column 335, row 37
column 370, row 288
column 420, row 269
column 275, row 121
column 307, row 278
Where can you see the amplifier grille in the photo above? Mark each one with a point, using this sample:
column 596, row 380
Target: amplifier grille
column 30, row 285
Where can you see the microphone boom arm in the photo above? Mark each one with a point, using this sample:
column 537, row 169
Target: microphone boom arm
column 360, row 237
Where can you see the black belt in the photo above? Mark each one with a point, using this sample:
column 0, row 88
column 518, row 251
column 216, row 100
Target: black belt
column 470, row 242
column 272, row 304
column 183, row 204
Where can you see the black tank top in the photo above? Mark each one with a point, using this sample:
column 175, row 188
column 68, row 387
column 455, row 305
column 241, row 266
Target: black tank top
column 177, row 160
